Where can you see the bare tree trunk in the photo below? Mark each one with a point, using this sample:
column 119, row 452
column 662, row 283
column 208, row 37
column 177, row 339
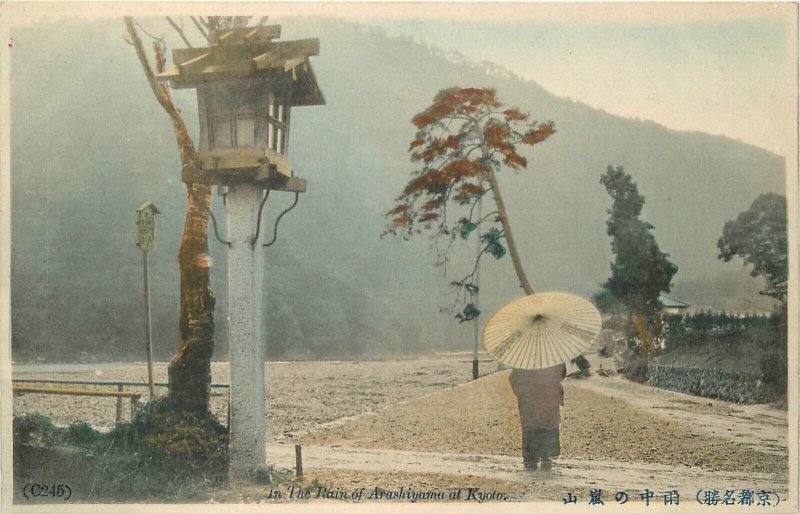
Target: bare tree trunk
column 512, row 246
column 190, row 367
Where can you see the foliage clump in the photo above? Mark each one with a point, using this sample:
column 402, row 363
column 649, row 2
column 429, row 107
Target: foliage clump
column 164, row 453
column 759, row 236
column 463, row 138
column 176, row 439
column 33, row 429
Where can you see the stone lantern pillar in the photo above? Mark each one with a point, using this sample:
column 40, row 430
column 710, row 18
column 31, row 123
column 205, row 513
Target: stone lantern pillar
column 247, row 84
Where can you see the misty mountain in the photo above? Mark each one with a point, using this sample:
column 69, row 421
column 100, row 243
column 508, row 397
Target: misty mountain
column 90, row 143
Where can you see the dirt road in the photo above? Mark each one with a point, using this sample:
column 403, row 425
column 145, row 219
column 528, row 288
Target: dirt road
column 417, row 422
column 616, row 436
column 760, row 427
column 571, row 474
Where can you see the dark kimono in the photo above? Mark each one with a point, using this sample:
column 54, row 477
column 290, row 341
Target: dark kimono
column 539, row 395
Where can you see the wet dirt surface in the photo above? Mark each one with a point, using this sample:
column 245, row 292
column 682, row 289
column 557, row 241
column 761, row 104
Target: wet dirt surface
column 424, row 423
column 568, row 474
column 760, row 427
column 481, row 418
column 300, row 394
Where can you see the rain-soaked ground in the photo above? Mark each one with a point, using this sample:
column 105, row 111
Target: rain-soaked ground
column 424, row 423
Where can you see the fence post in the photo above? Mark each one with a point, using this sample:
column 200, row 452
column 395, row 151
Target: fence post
column 134, row 405
column 298, row 457
column 119, row 404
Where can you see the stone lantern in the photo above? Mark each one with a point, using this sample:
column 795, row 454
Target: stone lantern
column 247, row 84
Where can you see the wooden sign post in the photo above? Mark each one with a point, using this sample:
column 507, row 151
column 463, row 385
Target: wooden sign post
column 146, row 236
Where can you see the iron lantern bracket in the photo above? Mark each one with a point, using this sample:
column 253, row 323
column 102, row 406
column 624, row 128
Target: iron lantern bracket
column 278, row 220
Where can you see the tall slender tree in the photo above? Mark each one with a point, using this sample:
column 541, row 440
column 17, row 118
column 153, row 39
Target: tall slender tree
column 190, row 367
column 640, row 271
column 464, row 138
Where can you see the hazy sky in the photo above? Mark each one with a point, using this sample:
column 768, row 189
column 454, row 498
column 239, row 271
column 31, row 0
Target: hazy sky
column 723, row 76
column 721, row 68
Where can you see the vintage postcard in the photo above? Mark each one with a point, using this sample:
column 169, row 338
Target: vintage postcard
column 399, row 257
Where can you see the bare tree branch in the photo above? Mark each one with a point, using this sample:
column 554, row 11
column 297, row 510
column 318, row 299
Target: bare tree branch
column 158, row 52
column 136, row 41
column 179, row 30
column 148, row 34
column 200, row 28
column 161, row 92
column 462, row 285
column 475, row 202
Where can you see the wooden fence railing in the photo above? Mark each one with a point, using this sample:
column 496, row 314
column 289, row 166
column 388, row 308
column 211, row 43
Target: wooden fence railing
column 119, row 393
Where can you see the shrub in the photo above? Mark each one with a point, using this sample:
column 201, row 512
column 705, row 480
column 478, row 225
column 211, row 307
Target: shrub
column 81, row 433
column 722, row 332
column 33, row 429
column 183, row 443
column 731, row 386
column 162, row 453
column 178, row 440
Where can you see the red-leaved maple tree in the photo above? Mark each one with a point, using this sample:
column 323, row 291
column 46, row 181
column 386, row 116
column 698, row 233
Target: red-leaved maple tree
column 464, row 138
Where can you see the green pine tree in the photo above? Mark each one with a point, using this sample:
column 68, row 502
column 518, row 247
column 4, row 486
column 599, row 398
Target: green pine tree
column 640, row 271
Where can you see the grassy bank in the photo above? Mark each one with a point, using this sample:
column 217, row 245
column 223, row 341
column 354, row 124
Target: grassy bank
column 160, row 456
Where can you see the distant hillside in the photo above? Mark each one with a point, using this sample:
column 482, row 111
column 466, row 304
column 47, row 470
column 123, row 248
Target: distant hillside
column 90, row 143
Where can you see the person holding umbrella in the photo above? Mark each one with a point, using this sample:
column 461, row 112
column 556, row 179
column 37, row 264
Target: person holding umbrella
column 540, row 397
column 536, row 336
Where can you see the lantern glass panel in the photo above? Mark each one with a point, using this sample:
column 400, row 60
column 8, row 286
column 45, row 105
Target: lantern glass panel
column 246, row 132
column 286, row 116
column 244, row 107
column 270, row 134
column 260, row 134
column 221, row 133
column 247, row 113
column 233, row 117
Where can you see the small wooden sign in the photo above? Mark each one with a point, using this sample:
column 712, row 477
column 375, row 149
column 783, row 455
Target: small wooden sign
column 146, row 224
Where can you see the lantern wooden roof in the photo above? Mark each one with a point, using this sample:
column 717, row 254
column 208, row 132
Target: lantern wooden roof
column 247, row 52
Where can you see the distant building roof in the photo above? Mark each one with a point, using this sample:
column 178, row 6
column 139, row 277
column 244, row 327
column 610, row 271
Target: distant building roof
column 674, row 303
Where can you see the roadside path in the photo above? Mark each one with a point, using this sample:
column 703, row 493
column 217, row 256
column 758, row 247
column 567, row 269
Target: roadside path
column 571, row 474
column 760, row 427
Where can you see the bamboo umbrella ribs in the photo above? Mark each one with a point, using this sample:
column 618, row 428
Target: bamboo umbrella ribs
column 542, row 330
